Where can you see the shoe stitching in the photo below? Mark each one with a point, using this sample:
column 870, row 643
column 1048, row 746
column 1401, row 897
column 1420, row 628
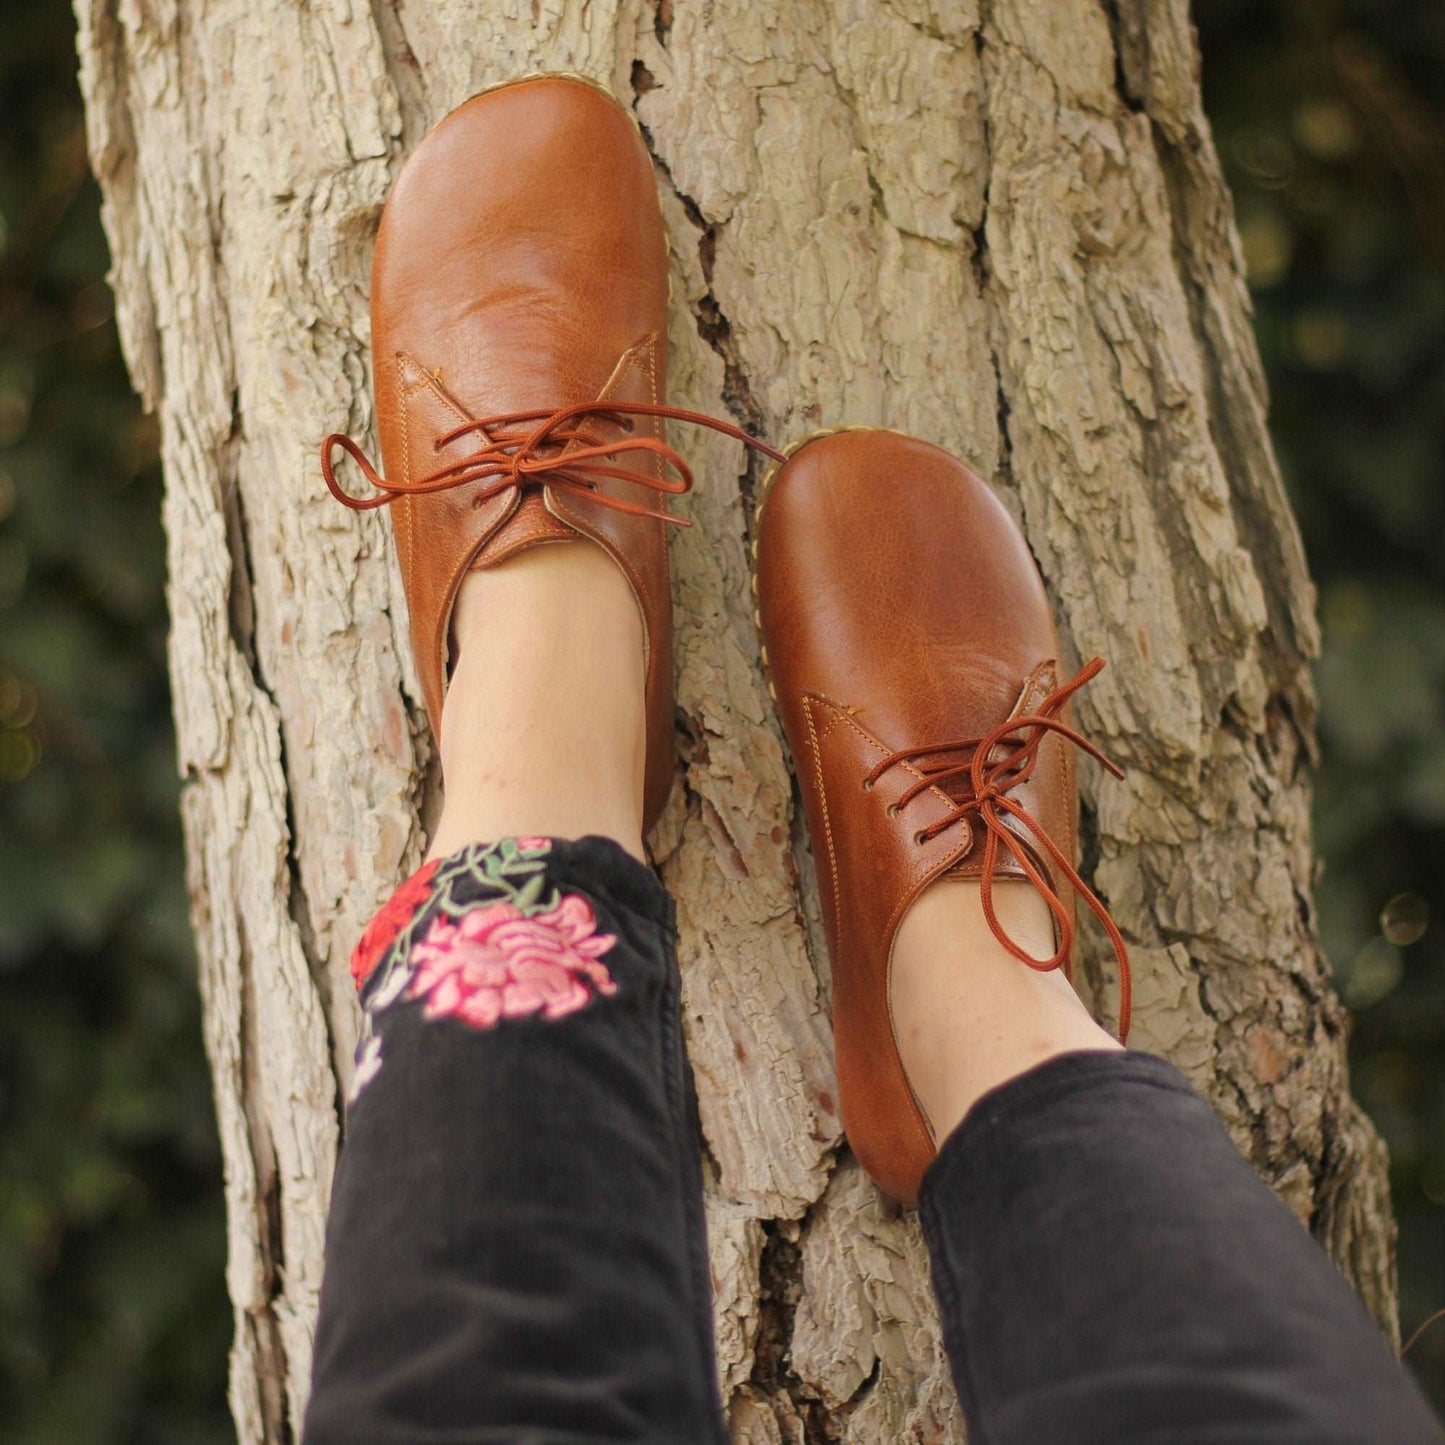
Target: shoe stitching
column 652, row 392
column 430, row 380
column 404, row 394
column 841, row 715
column 914, row 875
column 1063, row 789
column 427, row 378
column 844, row 716
column 1040, row 687
column 1064, row 792
column 808, row 703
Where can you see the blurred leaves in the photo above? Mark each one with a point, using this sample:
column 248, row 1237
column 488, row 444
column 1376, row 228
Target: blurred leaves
column 1327, row 115
column 113, row 1318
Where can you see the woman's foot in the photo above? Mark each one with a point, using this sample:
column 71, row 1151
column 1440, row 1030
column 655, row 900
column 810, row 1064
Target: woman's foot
column 519, row 354
column 912, row 654
column 544, row 728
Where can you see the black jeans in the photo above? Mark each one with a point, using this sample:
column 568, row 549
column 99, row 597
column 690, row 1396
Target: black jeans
column 517, row 1252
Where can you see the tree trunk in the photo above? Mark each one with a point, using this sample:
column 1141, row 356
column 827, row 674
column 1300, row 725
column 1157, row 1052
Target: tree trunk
column 999, row 224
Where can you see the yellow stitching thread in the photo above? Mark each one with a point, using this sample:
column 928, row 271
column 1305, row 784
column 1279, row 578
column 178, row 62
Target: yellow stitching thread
column 842, row 716
column 406, row 467
column 659, row 423
column 430, row 380
column 808, row 703
column 922, row 870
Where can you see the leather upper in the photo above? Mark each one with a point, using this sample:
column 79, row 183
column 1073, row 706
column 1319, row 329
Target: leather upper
column 521, row 264
column 899, row 607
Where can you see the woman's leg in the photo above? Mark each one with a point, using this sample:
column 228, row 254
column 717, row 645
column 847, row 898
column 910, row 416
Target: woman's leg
column 1109, row 1270
column 516, row 1248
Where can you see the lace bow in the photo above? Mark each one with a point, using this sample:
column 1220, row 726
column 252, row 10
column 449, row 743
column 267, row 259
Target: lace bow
column 558, row 449
column 991, row 779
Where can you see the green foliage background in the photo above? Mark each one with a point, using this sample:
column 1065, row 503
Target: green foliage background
column 1327, row 115
column 113, row 1318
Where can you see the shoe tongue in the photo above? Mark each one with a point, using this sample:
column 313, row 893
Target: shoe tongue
column 960, row 787
column 530, row 525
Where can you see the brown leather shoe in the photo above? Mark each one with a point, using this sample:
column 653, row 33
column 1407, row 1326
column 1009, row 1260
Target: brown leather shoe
column 914, row 663
column 519, row 356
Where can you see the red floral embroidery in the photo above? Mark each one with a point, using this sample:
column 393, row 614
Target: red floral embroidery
column 395, row 914
column 498, row 962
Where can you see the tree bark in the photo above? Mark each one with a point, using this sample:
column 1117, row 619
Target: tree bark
column 999, row 224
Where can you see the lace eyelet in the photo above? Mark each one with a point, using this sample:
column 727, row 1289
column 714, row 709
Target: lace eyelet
column 478, row 503
column 893, row 810
column 867, row 785
column 920, row 839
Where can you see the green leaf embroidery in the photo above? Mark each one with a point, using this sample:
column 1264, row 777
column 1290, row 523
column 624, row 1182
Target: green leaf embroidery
column 530, row 892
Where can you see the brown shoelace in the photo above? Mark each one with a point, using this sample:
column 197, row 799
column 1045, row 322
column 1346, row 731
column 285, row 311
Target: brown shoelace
column 557, row 450
column 991, row 781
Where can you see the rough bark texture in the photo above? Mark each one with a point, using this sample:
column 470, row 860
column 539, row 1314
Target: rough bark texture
column 999, row 224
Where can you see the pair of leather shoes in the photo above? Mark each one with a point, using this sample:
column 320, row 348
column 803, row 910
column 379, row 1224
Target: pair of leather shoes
column 519, row 313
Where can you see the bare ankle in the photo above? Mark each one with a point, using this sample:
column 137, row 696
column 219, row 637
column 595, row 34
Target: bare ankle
column 968, row 1015
column 543, row 728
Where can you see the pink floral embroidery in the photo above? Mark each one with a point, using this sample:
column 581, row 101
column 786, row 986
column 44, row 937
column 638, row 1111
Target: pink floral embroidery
column 532, row 844
column 498, row 962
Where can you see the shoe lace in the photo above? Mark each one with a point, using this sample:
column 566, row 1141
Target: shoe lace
column 991, row 779
column 554, row 446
